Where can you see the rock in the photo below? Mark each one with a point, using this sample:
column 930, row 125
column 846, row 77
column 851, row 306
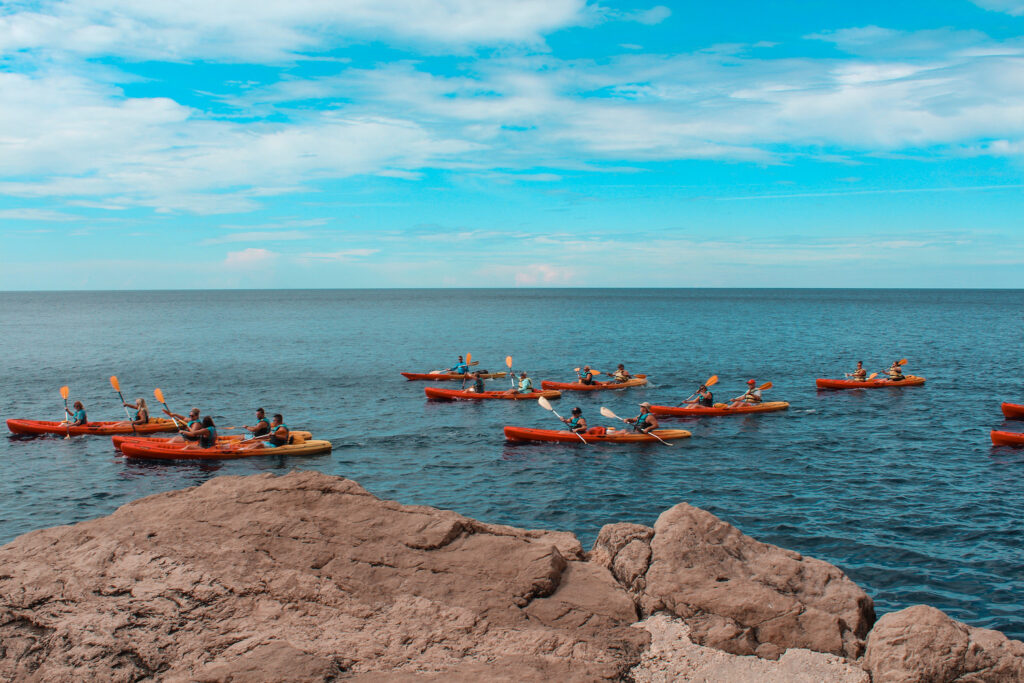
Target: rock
column 922, row 644
column 747, row 597
column 305, row 577
column 625, row 549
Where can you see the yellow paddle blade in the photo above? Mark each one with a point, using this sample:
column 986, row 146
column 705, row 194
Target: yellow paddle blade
column 712, row 381
column 766, row 385
column 903, row 361
column 64, row 391
column 873, row 375
column 114, row 383
column 608, row 413
column 544, row 403
column 159, row 395
column 508, row 362
column 469, row 357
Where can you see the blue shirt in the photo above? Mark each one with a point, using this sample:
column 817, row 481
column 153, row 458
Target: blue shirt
column 525, row 386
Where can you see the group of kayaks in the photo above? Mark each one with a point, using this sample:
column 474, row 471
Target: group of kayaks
column 1011, row 411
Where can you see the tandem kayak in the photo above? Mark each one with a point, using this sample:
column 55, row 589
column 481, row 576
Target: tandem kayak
column 719, row 409
column 908, row 381
column 447, row 377
column 37, row 427
column 638, row 380
column 228, row 438
column 1007, row 438
column 611, row 436
column 1013, row 411
column 436, row 394
column 150, row 449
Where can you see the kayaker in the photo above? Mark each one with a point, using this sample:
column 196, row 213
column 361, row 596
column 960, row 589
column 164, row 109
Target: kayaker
column 751, row 395
column 279, row 432
column 578, row 423
column 704, row 398
column 587, row 377
column 860, row 374
column 262, row 426
column 141, row 411
column 620, row 374
column 525, row 385
column 895, row 372
column 78, row 418
column 477, row 387
column 645, row 421
column 205, row 433
column 459, row 368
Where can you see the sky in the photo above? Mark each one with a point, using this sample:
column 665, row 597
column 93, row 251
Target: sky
column 534, row 143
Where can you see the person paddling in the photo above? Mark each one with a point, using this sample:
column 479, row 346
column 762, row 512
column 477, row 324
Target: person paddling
column 587, row 376
column 262, row 425
column 78, row 418
column 205, row 432
column 525, row 384
column 750, row 396
column 578, row 423
column 460, row 368
column 645, row 421
column 860, row 374
column 477, row 387
column 895, row 372
column 620, row 375
column 279, row 433
column 141, row 411
column 704, row 397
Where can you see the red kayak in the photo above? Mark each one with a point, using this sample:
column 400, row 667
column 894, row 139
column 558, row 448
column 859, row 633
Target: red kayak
column 593, row 435
column 1013, row 411
column 1007, row 438
column 634, row 381
column 908, row 381
column 150, row 449
column 37, row 427
column 447, row 377
column 719, row 409
column 454, row 394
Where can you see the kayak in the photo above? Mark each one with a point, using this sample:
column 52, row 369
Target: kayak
column 228, row 438
column 1013, row 411
column 447, row 377
column 454, row 394
column 638, row 380
column 719, row 409
column 36, row 427
column 150, row 449
column 1007, row 438
column 908, row 381
column 611, row 436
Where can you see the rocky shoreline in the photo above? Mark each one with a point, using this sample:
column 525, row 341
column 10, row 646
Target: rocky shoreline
column 308, row 577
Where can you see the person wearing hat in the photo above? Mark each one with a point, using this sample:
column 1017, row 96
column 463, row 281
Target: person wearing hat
column 578, row 423
column 644, row 422
column 587, row 377
column 751, row 395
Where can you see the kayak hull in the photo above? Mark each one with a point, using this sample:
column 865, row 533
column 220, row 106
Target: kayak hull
column 447, row 377
column 719, row 409
column 562, row 436
column 909, row 381
column 38, row 427
column 1013, row 411
column 144, row 450
column 229, row 438
column 637, row 381
column 435, row 394
column 1007, row 438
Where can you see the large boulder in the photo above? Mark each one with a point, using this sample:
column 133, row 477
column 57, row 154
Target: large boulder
column 921, row 644
column 305, row 577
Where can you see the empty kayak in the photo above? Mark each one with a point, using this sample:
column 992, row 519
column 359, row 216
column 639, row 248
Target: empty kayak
column 1007, row 438
column 908, row 381
column 36, row 427
column 150, row 449
column 1013, row 411
column 454, row 394
column 720, row 409
column 636, row 381
column 447, row 377
column 610, row 436
column 121, row 438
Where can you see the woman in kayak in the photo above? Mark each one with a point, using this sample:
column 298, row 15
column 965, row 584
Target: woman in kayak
column 620, row 374
column 78, row 417
column 578, row 423
column 644, row 422
column 525, row 385
column 587, row 377
column 141, row 411
column 704, row 398
column 205, row 432
column 860, row 374
column 262, row 426
column 895, row 372
column 751, row 395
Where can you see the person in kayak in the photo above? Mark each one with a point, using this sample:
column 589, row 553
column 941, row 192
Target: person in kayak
column 704, row 398
column 645, row 421
column 750, row 396
column 477, row 387
column 78, row 418
column 587, row 377
column 525, row 385
column 279, row 432
column 860, row 374
column 577, row 423
column 204, row 432
column 459, row 368
column 895, row 372
column 141, row 411
column 620, row 375
column 262, row 426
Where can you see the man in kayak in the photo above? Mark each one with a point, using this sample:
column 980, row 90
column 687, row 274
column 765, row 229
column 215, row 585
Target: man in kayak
column 525, row 385
column 704, row 398
column 578, row 423
column 459, row 368
column 279, row 432
column 262, row 425
column 860, row 374
column 895, row 372
column 644, row 422
column 78, row 418
column 477, row 387
column 620, row 375
column 141, row 411
column 587, row 377
column 750, row 396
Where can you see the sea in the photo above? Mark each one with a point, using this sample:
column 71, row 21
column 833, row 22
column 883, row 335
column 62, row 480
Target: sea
column 901, row 488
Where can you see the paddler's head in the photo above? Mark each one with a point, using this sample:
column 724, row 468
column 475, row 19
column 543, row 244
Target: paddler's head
column 577, row 411
column 278, row 419
column 193, row 414
column 751, row 382
column 260, row 413
column 645, row 405
column 78, row 405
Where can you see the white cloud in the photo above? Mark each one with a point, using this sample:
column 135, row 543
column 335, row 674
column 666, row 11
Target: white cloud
column 1011, row 7
column 249, row 258
column 343, row 255
column 37, row 215
column 256, row 236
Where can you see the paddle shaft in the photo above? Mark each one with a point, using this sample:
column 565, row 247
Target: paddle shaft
column 129, row 415
column 650, row 433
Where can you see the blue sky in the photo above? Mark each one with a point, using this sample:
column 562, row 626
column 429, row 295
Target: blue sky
column 466, row 143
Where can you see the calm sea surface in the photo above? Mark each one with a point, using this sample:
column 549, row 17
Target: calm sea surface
column 900, row 488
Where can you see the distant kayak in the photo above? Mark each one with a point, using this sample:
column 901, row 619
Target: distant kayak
column 121, row 438
column 1013, row 411
column 611, row 436
column 908, row 381
column 719, row 409
column 150, row 449
column 447, row 377
column 454, row 394
column 636, row 381
column 37, row 427
column 1007, row 438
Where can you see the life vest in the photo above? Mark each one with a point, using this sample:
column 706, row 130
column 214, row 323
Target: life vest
column 262, row 427
column 640, row 422
column 574, row 423
column 275, row 440
column 208, row 441
column 707, row 400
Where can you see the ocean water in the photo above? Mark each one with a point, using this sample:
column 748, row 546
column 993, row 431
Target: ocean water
column 900, row 488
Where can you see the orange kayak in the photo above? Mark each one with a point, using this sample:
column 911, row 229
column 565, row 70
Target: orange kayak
column 121, row 438
column 611, row 436
column 37, row 427
column 1013, row 411
column 1007, row 438
column 719, row 409
column 636, row 381
column 150, row 449
column 908, row 381
column 454, row 394
column 447, row 377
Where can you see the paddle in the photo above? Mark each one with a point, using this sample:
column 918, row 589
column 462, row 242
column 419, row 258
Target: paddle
column 546, row 405
column 465, row 375
column 64, row 391
column 712, row 381
column 511, row 375
column 607, row 413
column 763, row 387
column 117, row 387
column 159, row 395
